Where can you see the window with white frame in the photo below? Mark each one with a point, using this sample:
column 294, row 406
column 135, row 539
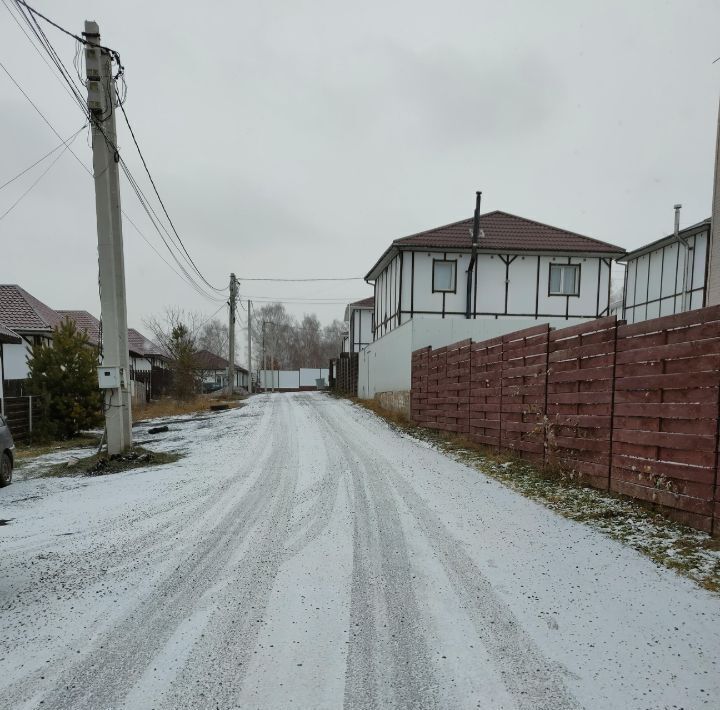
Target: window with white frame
column 564, row 280
column 444, row 275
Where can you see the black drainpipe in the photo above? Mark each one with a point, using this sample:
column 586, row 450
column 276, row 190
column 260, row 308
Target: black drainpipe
column 473, row 255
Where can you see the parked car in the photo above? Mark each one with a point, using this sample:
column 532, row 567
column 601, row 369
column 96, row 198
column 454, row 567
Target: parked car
column 7, row 453
column 211, row 387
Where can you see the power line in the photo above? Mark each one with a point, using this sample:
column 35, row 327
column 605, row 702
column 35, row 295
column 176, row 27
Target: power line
column 65, row 143
column 162, row 204
column 90, row 173
column 344, row 278
column 97, row 121
column 40, row 177
column 42, row 115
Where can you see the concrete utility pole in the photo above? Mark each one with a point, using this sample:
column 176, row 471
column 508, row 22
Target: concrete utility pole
column 231, row 329
column 250, row 385
column 114, row 374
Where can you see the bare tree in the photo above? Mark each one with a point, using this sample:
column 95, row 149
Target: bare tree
column 175, row 330
column 214, row 336
column 291, row 344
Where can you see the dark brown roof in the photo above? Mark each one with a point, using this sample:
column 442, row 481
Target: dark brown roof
column 140, row 345
column 506, row 231
column 205, row 360
column 365, row 303
column 502, row 231
column 85, row 322
column 368, row 302
column 22, row 312
column 7, row 336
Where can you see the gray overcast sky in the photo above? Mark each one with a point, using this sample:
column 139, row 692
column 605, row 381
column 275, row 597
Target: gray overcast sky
column 297, row 139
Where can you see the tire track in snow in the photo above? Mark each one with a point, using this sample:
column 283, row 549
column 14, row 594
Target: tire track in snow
column 534, row 682
column 107, row 670
column 216, row 667
column 388, row 663
column 117, row 546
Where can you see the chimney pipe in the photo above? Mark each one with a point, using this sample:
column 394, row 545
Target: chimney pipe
column 473, row 255
column 677, row 209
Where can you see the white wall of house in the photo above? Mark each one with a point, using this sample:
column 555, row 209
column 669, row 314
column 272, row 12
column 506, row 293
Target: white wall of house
column 15, row 361
column 385, row 365
column 503, row 285
column 141, row 364
column 361, row 323
column 654, row 279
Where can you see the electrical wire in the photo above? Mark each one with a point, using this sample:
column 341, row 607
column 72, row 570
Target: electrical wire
column 98, row 120
column 162, row 204
column 88, row 171
column 40, row 160
column 342, row 278
column 40, row 177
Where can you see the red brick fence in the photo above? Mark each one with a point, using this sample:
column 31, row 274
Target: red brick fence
column 627, row 408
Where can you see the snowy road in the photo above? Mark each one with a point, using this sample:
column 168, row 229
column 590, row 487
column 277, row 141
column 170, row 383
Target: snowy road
column 303, row 555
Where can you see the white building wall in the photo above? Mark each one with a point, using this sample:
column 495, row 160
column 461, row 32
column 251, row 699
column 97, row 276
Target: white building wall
column 361, row 329
column 15, row 361
column 385, row 365
column 506, row 285
column 654, row 280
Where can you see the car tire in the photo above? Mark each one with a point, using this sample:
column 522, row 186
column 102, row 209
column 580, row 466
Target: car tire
column 5, row 470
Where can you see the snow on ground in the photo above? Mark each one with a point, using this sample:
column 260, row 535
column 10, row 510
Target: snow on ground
column 303, row 554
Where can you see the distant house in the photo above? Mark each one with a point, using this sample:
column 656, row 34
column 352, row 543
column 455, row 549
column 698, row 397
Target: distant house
column 522, row 269
column 146, row 357
column 213, row 369
column 668, row 275
column 32, row 321
column 359, row 316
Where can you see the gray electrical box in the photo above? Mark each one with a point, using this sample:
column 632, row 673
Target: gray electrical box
column 111, row 377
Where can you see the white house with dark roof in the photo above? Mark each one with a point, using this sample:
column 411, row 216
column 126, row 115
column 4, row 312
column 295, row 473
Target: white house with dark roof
column 33, row 322
column 522, row 269
column 436, row 287
column 667, row 276
column 359, row 316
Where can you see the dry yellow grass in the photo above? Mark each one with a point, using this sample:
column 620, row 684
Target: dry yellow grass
column 168, row 407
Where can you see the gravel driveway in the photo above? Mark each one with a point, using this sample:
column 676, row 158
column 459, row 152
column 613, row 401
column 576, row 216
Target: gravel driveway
column 305, row 555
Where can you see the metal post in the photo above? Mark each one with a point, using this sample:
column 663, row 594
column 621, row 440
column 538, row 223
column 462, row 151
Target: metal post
column 101, row 105
column 249, row 311
column 264, row 363
column 231, row 333
column 272, row 358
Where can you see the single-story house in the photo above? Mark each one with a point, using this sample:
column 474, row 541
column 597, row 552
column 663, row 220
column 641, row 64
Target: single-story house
column 33, row 322
column 213, row 369
column 667, row 276
column 146, row 357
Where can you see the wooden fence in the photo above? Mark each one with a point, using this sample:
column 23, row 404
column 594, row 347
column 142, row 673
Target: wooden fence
column 346, row 373
column 21, row 414
column 628, row 408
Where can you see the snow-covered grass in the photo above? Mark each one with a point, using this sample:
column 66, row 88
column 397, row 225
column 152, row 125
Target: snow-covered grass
column 690, row 552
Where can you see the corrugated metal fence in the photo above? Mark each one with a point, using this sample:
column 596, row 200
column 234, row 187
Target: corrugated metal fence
column 628, row 408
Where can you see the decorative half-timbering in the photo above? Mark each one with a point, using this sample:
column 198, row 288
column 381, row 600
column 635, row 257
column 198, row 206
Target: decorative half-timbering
column 521, row 268
column 667, row 276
